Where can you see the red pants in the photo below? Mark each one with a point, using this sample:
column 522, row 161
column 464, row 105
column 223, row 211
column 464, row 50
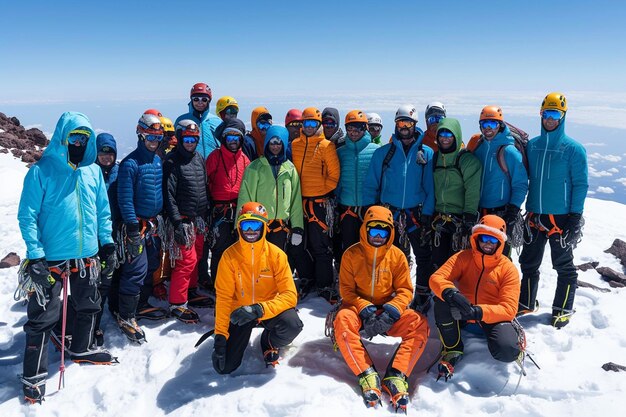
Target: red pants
column 185, row 272
column 412, row 327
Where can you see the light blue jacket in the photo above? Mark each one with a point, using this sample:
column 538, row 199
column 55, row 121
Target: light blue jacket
column 64, row 210
column 405, row 183
column 354, row 160
column 498, row 189
column 558, row 173
column 207, row 123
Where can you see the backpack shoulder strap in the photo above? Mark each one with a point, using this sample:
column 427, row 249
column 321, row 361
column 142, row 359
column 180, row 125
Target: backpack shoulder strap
column 386, row 161
column 502, row 161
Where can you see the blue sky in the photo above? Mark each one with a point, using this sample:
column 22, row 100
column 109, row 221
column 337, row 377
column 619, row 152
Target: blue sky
column 114, row 50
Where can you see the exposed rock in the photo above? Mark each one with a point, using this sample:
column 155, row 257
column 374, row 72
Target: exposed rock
column 37, row 137
column 3, row 150
column 610, row 366
column 615, row 279
column 618, row 249
column 587, row 266
column 584, row 284
column 9, row 140
column 10, row 260
column 27, row 145
column 15, row 121
column 17, row 153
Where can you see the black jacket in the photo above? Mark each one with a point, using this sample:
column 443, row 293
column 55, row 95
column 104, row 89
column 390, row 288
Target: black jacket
column 184, row 185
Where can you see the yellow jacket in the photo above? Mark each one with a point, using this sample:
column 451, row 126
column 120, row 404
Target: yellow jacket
column 317, row 164
column 371, row 275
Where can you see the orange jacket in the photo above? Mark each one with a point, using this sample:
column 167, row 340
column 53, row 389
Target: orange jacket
column 255, row 132
column 371, row 275
column 317, row 164
column 489, row 281
column 251, row 273
column 429, row 139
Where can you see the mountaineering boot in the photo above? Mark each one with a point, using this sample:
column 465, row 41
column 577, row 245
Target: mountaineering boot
column 197, row 300
column 270, row 353
column 370, row 387
column 184, row 314
column 34, row 388
column 98, row 337
column 55, row 338
column 446, row 365
column 396, row 385
column 329, row 294
column 95, row 356
column 126, row 318
column 561, row 317
column 149, row 312
column 524, row 309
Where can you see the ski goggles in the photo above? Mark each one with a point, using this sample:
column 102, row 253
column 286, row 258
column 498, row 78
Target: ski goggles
column 233, row 138
column 296, row 124
column 310, row 123
column 202, row 99
column 552, row 114
column 354, row 129
column 263, row 125
column 489, row 124
column 152, row 138
column 275, row 141
column 375, row 127
column 405, row 124
column 251, row 225
column 190, row 139
column 434, row 119
column 78, row 135
column 331, row 124
column 378, row 232
column 488, row 239
column 445, row 134
column 232, row 111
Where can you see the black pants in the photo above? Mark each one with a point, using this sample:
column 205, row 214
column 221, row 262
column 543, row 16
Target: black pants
column 502, row 338
column 562, row 263
column 85, row 301
column 223, row 235
column 279, row 331
column 319, row 243
column 349, row 227
column 422, row 250
column 277, row 235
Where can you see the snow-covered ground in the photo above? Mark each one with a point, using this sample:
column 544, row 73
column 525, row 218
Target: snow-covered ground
column 168, row 375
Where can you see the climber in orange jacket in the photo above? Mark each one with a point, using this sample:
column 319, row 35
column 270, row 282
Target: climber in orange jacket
column 481, row 285
column 254, row 287
column 375, row 287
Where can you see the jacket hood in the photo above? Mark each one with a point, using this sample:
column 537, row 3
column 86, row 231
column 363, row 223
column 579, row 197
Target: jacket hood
column 381, row 214
column 259, row 244
column 57, row 149
column 106, row 139
column 256, row 114
column 453, row 126
column 359, row 144
column 557, row 133
column 283, row 134
column 331, row 113
column 491, row 225
column 230, row 123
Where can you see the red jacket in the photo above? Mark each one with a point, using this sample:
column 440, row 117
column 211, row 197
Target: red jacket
column 224, row 170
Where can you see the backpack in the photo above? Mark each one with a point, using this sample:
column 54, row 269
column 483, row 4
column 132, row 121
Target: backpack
column 521, row 141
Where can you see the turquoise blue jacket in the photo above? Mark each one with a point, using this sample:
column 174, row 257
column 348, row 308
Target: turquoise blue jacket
column 498, row 189
column 207, row 122
column 558, row 173
column 64, row 210
column 354, row 160
column 405, row 182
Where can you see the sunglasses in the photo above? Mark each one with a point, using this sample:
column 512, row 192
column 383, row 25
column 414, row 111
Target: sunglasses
column 330, row 124
column 253, row 225
column 310, row 123
column 353, row 129
column 489, row 124
column 381, row 233
column 375, row 127
column 153, row 138
column 202, row 99
column 434, row 119
column 405, row 124
column 263, row 125
column 295, row 124
column 275, row 141
column 231, row 111
column 233, row 138
column 445, row 134
column 487, row 239
column 552, row 114
column 190, row 139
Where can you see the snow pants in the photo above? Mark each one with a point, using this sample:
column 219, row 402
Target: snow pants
column 412, row 327
column 222, row 234
column 502, row 338
column 349, row 226
column 279, row 331
column 185, row 272
column 319, row 242
column 406, row 220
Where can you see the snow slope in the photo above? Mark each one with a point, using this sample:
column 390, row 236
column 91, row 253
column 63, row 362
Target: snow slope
column 168, row 376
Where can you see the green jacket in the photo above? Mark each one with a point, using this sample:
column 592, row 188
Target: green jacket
column 457, row 182
column 281, row 196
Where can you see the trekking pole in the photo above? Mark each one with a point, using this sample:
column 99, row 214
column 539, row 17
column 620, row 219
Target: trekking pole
column 63, row 324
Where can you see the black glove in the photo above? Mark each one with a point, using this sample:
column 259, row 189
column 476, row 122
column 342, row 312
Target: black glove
column 219, row 352
column 134, row 243
column 426, row 229
column 39, row 272
column 510, row 214
column 386, row 319
column 179, row 234
column 469, row 220
column 108, row 262
column 460, row 307
column 245, row 314
column 369, row 320
column 572, row 229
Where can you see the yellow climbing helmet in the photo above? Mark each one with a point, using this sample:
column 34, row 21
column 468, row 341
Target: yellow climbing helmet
column 224, row 102
column 554, row 101
column 168, row 126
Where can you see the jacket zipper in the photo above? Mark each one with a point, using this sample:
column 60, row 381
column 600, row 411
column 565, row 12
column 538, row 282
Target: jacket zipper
column 253, row 289
column 356, row 176
column 543, row 164
column 373, row 275
column 482, row 258
column 80, row 217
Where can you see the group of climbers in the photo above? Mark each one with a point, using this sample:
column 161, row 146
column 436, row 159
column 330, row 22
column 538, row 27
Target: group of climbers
column 309, row 199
